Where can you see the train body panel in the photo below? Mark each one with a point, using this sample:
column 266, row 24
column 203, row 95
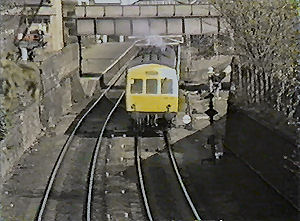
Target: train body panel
column 154, row 104
column 152, row 88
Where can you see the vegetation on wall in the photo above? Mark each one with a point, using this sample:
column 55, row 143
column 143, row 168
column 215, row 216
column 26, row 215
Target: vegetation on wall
column 21, row 86
column 3, row 128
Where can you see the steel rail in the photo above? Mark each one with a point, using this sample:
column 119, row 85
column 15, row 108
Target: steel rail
column 94, row 160
column 67, row 144
column 141, row 179
column 175, row 167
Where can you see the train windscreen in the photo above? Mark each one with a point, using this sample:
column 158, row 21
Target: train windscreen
column 151, row 86
column 137, row 86
column 166, row 86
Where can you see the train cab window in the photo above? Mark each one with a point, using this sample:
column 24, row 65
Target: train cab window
column 137, row 86
column 151, row 86
column 166, row 86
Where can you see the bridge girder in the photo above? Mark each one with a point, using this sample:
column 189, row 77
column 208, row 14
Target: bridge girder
column 150, row 26
column 144, row 20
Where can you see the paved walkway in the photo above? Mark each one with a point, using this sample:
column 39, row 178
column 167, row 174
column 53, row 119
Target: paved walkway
column 99, row 58
column 268, row 153
column 229, row 189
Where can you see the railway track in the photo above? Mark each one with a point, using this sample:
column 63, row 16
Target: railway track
column 176, row 178
column 116, row 194
column 94, row 161
column 65, row 194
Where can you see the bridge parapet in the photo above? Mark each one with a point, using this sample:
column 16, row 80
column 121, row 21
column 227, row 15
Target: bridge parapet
column 144, row 11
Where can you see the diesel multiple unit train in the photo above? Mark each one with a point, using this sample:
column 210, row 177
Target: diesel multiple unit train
column 152, row 86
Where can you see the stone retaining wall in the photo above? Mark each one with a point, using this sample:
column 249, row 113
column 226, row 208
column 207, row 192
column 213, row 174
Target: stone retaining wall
column 26, row 128
column 60, row 88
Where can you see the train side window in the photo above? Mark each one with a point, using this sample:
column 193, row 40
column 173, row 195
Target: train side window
column 151, row 86
column 137, row 86
column 166, row 86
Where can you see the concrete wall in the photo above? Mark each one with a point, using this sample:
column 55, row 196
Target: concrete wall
column 61, row 87
column 57, row 73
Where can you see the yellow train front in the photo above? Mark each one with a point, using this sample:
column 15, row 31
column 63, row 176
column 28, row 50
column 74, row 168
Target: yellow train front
column 152, row 86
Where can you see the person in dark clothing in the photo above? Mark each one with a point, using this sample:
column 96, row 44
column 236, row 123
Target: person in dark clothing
column 211, row 142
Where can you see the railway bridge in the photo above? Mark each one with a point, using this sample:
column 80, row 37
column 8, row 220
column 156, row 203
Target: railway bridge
column 144, row 20
column 139, row 21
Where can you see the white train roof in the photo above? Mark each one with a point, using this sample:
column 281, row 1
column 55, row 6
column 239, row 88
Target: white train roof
column 155, row 55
